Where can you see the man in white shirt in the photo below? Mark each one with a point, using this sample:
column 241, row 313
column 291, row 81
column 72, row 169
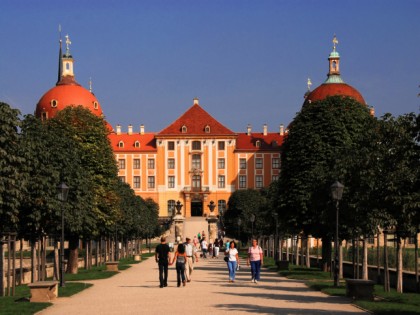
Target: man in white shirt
column 191, row 251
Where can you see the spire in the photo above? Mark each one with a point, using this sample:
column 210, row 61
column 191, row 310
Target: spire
column 90, row 85
column 309, row 84
column 60, row 54
column 334, row 67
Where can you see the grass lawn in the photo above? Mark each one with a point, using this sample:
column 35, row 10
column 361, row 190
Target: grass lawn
column 391, row 303
column 19, row 304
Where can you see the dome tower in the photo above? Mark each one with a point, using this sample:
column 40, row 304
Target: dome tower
column 67, row 91
column 334, row 85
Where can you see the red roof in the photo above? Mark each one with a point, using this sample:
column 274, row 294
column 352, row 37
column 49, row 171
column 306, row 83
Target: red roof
column 195, row 120
column 64, row 95
column 332, row 89
column 271, row 142
column 147, row 142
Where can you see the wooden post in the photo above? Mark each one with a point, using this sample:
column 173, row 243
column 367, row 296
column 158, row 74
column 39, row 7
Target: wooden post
column 2, row 291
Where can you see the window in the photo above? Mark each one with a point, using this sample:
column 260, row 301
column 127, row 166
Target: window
column 151, row 164
column 171, row 181
column 171, row 145
column 221, row 181
column 121, row 164
column 196, row 145
column 207, row 129
column 196, row 161
column 150, row 182
column 122, row 178
column 258, row 163
column 242, row 181
column 221, row 206
column 54, row 103
column 274, row 178
column 171, row 208
column 259, row 181
column 136, row 164
column 275, row 163
column 242, row 164
column 137, row 144
column 171, row 164
column 136, row 182
column 44, row 116
column 196, row 183
column 258, row 143
column 371, row 240
column 221, row 145
column 121, row 144
column 184, row 129
column 95, row 105
column 221, row 163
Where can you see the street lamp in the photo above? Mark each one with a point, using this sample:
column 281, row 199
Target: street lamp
column 276, row 236
column 62, row 193
column 336, row 195
column 252, row 219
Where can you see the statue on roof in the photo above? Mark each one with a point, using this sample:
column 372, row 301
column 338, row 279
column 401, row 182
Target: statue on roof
column 68, row 43
column 335, row 42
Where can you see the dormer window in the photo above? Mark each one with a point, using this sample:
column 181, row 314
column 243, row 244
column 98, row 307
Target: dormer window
column 95, row 105
column 207, row 129
column 184, row 129
column 137, row 144
column 121, row 144
column 274, row 144
column 258, row 143
column 54, row 103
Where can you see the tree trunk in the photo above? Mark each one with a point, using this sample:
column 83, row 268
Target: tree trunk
column 365, row 275
column 43, row 258
column 378, row 262
column 399, row 266
column 1, row 268
column 326, row 253
column 297, row 251
column 387, row 287
column 357, row 258
column 353, row 254
column 56, row 261
column 302, row 249
column 287, row 250
column 33, row 261
column 416, row 261
column 86, row 257
column 308, row 258
column 21, row 262
column 72, row 261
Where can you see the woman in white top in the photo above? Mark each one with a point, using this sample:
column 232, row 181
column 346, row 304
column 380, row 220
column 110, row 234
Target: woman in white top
column 233, row 260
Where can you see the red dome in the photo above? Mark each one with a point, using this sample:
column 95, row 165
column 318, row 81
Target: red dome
column 332, row 89
column 61, row 96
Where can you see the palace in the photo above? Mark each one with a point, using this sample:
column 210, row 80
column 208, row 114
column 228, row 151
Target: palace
column 195, row 159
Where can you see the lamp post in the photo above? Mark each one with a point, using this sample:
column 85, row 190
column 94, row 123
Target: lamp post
column 276, row 236
column 252, row 219
column 336, row 195
column 239, row 229
column 62, row 193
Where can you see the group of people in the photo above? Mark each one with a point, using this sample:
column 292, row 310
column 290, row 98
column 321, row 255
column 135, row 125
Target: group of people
column 186, row 255
column 184, row 259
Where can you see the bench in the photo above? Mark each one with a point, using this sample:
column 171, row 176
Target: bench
column 111, row 265
column 360, row 289
column 43, row 291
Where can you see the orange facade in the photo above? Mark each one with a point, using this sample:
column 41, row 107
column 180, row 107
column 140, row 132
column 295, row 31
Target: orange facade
column 196, row 160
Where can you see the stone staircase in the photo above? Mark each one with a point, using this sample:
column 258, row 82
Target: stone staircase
column 194, row 225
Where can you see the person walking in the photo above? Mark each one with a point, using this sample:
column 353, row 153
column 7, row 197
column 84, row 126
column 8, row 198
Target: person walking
column 181, row 258
column 216, row 248
column 163, row 257
column 255, row 258
column 192, row 258
column 233, row 260
column 204, row 247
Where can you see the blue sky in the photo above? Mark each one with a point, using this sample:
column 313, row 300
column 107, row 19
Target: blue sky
column 247, row 61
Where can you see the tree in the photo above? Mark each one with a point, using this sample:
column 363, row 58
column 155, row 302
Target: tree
column 399, row 179
column 321, row 146
column 12, row 170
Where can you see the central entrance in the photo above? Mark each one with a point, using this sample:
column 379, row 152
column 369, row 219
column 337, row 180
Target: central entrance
column 196, row 208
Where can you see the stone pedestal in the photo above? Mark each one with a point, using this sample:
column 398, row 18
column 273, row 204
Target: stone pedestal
column 43, row 291
column 137, row 258
column 213, row 230
column 179, row 228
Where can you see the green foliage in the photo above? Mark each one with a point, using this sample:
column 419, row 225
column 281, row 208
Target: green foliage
column 322, row 146
column 12, row 171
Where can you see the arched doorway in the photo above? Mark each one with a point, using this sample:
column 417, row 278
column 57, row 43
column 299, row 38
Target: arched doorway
column 196, row 208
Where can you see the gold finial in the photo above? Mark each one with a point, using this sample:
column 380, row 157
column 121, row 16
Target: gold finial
column 68, row 43
column 309, row 84
column 335, row 42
